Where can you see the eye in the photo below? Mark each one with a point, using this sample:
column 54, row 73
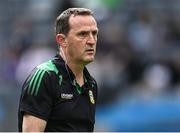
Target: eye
column 83, row 33
column 94, row 33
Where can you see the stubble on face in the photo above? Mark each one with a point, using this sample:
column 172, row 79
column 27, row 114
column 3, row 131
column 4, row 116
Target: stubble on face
column 81, row 40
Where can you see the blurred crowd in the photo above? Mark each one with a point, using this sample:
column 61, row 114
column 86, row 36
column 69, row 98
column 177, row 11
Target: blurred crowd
column 138, row 50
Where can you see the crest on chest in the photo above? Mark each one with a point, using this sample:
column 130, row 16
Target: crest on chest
column 91, row 97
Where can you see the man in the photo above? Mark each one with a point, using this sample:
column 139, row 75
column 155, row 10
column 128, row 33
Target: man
column 60, row 95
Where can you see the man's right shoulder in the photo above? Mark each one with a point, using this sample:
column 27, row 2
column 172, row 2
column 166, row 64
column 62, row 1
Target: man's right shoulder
column 48, row 66
column 43, row 74
column 44, row 70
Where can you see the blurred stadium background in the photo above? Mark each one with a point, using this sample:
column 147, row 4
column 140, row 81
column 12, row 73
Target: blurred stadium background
column 137, row 64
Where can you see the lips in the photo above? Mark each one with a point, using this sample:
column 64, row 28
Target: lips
column 90, row 50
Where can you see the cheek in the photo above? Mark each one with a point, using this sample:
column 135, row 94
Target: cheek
column 75, row 50
column 79, row 49
column 80, row 46
column 76, row 47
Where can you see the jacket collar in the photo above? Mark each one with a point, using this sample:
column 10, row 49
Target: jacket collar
column 87, row 77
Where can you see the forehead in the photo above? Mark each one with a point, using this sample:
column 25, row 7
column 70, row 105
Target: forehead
column 79, row 22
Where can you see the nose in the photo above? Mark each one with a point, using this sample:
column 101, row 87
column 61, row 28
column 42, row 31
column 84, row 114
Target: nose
column 91, row 39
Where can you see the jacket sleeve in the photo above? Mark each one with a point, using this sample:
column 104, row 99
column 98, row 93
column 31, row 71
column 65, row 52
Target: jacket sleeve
column 37, row 95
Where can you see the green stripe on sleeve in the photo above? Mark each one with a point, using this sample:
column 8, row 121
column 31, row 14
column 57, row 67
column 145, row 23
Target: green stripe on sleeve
column 35, row 81
column 36, row 78
column 32, row 79
column 39, row 82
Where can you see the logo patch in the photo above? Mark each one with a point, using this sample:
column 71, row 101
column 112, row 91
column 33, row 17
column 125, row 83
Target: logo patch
column 66, row 96
column 91, row 97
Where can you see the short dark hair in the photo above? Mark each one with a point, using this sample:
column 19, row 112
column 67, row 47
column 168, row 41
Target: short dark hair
column 62, row 21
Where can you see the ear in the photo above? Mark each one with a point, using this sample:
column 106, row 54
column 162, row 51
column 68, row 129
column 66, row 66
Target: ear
column 61, row 40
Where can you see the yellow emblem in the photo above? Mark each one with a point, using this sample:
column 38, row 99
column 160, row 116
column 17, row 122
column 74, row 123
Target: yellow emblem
column 91, row 97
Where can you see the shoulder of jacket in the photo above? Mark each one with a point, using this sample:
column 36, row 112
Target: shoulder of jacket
column 48, row 66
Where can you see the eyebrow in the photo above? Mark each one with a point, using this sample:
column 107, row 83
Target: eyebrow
column 96, row 30
column 87, row 31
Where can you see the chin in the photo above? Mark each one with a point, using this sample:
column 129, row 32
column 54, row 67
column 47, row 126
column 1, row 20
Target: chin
column 87, row 61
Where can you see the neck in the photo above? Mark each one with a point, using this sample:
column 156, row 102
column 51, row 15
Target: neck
column 77, row 71
column 76, row 68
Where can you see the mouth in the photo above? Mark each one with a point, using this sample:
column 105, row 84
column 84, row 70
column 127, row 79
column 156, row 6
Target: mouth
column 91, row 51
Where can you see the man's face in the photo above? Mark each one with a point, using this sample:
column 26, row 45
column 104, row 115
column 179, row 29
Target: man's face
column 81, row 39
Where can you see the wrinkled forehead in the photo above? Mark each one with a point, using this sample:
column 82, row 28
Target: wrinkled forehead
column 79, row 21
